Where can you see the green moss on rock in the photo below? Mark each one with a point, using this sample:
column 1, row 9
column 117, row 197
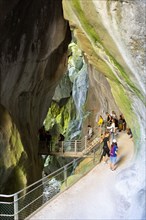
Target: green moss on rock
column 106, row 63
column 125, row 105
column 16, row 181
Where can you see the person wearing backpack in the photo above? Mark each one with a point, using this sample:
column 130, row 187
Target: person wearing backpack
column 113, row 154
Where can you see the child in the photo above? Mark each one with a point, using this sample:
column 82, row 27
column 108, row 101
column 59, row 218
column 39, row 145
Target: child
column 113, row 155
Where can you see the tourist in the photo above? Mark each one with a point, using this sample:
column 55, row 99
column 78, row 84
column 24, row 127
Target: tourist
column 100, row 121
column 42, row 137
column 112, row 129
column 120, row 123
column 108, row 119
column 124, row 123
column 90, row 132
column 100, row 124
column 61, row 138
column 48, row 140
column 113, row 114
column 60, row 144
column 113, row 155
column 106, row 148
column 129, row 132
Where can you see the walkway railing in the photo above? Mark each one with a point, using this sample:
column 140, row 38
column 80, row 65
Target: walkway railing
column 73, row 148
column 84, row 144
column 22, row 204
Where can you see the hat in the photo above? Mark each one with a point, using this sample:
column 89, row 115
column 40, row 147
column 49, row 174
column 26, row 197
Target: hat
column 114, row 141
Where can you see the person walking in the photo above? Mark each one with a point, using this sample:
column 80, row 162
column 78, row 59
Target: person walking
column 48, row 140
column 112, row 129
column 120, row 123
column 90, row 132
column 124, row 122
column 60, row 141
column 42, row 137
column 113, row 155
column 108, row 119
column 100, row 124
column 106, row 148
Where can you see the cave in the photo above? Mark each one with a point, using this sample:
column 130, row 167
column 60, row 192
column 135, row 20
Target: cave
column 36, row 56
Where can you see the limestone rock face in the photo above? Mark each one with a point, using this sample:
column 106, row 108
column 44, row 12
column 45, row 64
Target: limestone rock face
column 33, row 50
column 114, row 48
column 111, row 34
column 100, row 99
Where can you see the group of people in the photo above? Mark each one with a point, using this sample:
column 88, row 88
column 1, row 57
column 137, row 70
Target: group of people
column 45, row 140
column 108, row 128
column 112, row 123
column 120, row 123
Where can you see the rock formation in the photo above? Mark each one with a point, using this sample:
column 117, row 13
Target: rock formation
column 111, row 34
column 33, row 57
column 33, row 51
column 82, row 94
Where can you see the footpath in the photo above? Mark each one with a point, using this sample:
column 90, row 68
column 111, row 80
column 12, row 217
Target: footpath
column 95, row 195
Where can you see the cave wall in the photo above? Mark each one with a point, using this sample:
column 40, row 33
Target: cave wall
column 100, row 99
column 115, row 49
column 67, row 111
column 11, row 154
column 112, row 36
column 33, row 53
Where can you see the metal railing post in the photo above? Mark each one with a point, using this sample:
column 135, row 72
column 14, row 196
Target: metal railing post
column 75, row 146
column 85, row 142
column 65, row 175
column 16, row 206
column 62, row 145
column 93, row 156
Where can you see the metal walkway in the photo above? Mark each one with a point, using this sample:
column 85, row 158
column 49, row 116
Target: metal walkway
column 22, row 204
column 77, row 148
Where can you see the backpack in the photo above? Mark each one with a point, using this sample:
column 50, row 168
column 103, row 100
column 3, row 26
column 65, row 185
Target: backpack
column 113, row 150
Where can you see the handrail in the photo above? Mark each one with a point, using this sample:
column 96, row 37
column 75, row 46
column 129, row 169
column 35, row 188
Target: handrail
column 49, row 174
column 32, row 199
column 27, row 187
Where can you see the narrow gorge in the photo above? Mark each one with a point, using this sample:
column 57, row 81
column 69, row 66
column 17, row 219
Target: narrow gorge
column 62, row 64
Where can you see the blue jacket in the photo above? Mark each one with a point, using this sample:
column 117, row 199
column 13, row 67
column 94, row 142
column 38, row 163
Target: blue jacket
column 114, row 150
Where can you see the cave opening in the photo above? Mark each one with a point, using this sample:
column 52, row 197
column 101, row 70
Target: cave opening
column 105, row 74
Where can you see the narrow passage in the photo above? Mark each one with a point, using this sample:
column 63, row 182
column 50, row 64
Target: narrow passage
column 94, row 196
